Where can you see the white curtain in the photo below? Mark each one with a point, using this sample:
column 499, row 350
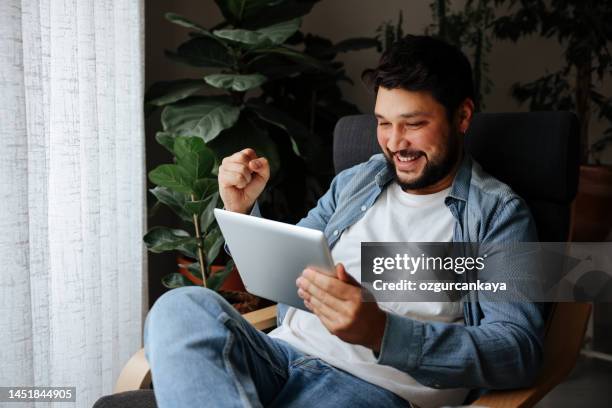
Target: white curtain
column 72, row 193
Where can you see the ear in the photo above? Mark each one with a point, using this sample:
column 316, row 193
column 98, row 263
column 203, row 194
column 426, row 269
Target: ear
column 465, row 114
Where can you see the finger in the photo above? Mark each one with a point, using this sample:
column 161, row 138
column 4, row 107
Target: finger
column 243, row 156
column 233, row 179
column 248, row 153
column 327, row 283
column 325, row 309
column 344, row 276
column 325, row 318
column 321, row 295
column 237, row 168
column 260, row 166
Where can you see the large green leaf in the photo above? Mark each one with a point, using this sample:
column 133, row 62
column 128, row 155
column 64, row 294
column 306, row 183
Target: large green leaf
column 235, row 82
column 247, row 133
column 196, row 207
column 236, row 11
column 165, row 139
column 354, row 44
column 203, row 52
column 204, row 117
column 174, row 200
column 173, row 177
column 185, row 22
column 269, row 36
column 213, row 242
column 215, row 281
column 161, row 239
column 193, row 156
column 293, row 55
column 202, row 206
column 176, row 280
column 208, row 215
column 279, row 33
column 166, row 92
column 188, row 144
column 248, row 37
column 194, row 269
column 205, row 187
column 301, row 137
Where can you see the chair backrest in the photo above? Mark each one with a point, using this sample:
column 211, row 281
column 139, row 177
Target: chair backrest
column 535, row 153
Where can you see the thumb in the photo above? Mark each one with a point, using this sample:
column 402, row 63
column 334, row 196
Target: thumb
column 260, row 166
column 344, row 276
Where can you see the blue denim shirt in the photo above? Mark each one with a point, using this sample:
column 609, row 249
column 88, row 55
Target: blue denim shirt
column 500, row 345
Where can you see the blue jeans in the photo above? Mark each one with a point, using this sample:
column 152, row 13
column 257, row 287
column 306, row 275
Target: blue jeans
column 203, row 353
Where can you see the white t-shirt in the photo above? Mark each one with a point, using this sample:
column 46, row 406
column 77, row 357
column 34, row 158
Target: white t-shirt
column 396, row 216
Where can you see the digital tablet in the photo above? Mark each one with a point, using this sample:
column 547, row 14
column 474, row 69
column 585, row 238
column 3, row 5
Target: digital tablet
column 270, row 255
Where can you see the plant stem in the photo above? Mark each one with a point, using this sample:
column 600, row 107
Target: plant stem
column 200, row 240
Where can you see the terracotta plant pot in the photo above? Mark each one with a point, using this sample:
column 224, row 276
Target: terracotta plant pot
column 592, row 220
column 232, row 282
column 232, row 289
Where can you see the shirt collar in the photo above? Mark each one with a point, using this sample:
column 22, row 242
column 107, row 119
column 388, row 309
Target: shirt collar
column 461, row 184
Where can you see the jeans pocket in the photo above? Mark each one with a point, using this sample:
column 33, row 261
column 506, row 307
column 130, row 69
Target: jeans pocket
column 311, row 363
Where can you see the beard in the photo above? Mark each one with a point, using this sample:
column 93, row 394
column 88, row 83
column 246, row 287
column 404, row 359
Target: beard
column 436, row 168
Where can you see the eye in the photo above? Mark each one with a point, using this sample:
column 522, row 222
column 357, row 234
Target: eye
column 416, row 124
column 383, row 124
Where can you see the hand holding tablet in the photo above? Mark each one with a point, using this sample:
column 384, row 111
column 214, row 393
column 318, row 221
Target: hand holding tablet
column 271, row 255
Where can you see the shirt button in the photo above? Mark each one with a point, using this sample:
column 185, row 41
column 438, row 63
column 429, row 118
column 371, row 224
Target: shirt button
column 336, row 232
column 363, row 208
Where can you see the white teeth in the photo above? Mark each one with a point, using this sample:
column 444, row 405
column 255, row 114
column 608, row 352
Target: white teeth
column 407, row 158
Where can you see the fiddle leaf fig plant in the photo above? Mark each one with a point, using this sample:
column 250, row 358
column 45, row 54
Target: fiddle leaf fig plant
column 189, row 188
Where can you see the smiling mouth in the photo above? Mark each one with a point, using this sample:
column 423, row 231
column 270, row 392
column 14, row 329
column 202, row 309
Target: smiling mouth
column 406, row 156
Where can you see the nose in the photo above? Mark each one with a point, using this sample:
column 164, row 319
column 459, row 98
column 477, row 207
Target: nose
column 397, row 140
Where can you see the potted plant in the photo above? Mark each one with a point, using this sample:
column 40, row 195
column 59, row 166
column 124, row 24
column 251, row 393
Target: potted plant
column 188, row 187
column 256, row 66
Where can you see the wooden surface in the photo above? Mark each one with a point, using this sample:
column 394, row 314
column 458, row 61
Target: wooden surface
column 561, row 347
column 262, row 319
column 135, row 375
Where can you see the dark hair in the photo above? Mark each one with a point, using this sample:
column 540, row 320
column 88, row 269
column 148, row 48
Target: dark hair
column 421, row 63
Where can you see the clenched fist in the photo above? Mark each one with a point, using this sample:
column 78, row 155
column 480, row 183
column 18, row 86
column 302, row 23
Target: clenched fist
column 242, row 178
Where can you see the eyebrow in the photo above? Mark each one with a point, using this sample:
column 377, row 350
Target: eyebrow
column 407, row 115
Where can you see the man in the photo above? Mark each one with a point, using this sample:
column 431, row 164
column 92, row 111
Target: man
column 350, row 352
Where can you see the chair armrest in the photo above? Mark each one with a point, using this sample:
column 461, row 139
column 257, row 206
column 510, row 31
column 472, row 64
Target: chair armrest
column 136, row 374
column 521, row 398
column 563, row 341
column 262, row 319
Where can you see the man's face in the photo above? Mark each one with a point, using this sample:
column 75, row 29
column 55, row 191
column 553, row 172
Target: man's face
column 416, row 137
